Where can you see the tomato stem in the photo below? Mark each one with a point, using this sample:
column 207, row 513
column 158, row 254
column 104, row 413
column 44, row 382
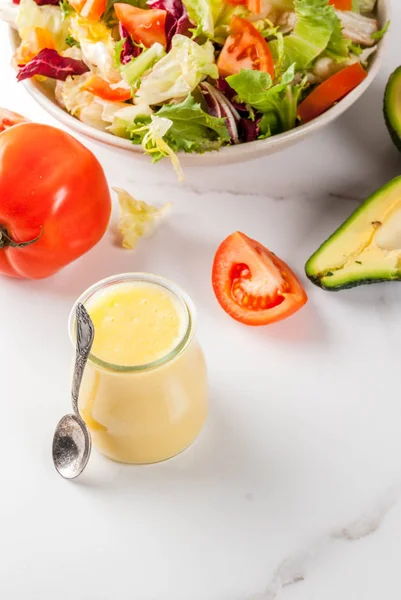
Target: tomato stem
column 6, row 239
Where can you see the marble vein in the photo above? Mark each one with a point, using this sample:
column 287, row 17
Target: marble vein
column 223, row 191
column 294, row 569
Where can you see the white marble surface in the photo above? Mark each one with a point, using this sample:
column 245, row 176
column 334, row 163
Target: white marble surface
column 292, row 492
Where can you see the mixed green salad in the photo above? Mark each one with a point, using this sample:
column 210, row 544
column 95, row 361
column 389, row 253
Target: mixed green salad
column 195, row 75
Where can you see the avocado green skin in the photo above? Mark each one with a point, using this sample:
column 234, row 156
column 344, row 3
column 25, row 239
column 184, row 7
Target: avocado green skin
column 390, row 112
column 349, row 285
column 317, row 278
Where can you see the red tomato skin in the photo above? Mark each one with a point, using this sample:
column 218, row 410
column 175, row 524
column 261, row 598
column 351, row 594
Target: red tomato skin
column 146, row 26
column 245, row 48
column 341, row 4
column 334, row 89
column 50, row 184
column 294, row 299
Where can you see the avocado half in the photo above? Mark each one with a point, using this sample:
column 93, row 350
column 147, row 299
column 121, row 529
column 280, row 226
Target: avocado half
column 392, row 107
column 366, row 248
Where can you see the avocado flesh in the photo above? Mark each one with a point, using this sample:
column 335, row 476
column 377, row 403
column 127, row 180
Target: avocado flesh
column 392, row 107
column 366, row 248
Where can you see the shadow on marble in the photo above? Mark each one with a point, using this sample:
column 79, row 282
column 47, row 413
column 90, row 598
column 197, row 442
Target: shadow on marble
column 304, row 328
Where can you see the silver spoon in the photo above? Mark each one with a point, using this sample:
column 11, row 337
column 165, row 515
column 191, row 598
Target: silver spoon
column 72, row 441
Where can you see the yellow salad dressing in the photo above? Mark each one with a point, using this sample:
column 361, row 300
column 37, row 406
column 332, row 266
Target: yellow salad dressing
column 144, row 392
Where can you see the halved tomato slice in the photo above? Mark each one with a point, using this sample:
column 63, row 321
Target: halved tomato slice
column 146, row 26
column 331, row 91
column 9, row 118
column 103, row 89
column 245, row 48
column 252, row 284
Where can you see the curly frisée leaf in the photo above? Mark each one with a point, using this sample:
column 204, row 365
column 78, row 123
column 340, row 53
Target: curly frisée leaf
column 137, row 218
column 181, row 127
column 150, row 133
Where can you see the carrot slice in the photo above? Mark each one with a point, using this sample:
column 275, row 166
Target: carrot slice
column 331, row 91
column 93, row 9
column 102, row 88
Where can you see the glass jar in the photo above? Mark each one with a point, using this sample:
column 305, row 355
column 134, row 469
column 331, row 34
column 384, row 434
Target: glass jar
column 150, row 412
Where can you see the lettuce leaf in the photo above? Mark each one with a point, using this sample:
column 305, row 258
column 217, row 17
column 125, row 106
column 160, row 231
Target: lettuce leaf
column 256, row 87
column 87, row 107
column 179, row 72
column 84, row 30
column 125, row 116
column 145, row 61
column 278, row 103
column 366, row 6
column 150, row 132
column 317, row 28
column 200, row 12
column 338, row 46
column 137, row 218
column 49, row 18
column 182, row 127
column 192, row 129
column 210, row 14
column 378, row 35
column 97, row 45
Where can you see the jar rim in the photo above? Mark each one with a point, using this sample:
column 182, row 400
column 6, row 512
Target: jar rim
column 182, row 297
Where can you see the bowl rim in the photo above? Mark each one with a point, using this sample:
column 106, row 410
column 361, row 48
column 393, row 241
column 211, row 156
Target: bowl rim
column 226, row 153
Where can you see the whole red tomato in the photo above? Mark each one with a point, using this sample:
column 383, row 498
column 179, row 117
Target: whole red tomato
column 54, row 200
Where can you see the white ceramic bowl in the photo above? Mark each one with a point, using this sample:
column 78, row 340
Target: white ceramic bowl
column 230, row 154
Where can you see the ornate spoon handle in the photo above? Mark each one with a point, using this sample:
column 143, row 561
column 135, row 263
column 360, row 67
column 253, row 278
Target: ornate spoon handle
column 85, row 335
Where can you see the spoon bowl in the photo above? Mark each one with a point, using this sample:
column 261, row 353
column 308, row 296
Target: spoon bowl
column 71, row 446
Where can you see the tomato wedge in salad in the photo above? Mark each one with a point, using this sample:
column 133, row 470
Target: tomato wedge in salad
column 146, row 26
column 330, row 91
column 341, row 4
column 252, row 284
column 245, row 48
